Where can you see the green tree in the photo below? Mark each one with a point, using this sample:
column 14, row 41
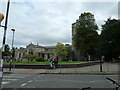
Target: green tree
column 69, row 52
column 38, row 58
column 31, row 57
column 60, row 51
column 111, row 39
column 86, row 36
column 7, row 51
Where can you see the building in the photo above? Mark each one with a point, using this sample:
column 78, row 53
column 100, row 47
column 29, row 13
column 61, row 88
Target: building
column 75, row 55
column 44, row 52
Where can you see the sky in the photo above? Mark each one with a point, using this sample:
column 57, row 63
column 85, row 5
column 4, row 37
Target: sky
column 46, row 23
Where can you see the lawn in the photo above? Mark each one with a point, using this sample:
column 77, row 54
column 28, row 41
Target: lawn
column 46, row 62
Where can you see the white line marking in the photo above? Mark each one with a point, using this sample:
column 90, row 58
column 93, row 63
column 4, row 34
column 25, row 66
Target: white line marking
column 11, row 79
column 30, row 81
column 23, row 84
column 15, row 76
column 5, row 82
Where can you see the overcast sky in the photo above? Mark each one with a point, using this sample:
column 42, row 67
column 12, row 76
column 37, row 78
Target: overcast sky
column 47, row 23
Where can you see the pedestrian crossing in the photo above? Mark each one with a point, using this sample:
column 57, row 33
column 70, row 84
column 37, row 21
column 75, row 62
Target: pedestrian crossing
column 10, row 78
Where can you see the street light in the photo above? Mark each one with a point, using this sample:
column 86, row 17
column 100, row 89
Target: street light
column 4, row 38
column 1, row 18
column 13, row 37
column 1, row 60
column 5, row 29
column 12, row 56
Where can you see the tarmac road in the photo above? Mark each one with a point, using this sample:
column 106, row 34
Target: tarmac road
column 60, row 78
column 57, row 81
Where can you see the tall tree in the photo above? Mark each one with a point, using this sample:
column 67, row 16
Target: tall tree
column 111, row 39
column 60, row 51
column 85, row 38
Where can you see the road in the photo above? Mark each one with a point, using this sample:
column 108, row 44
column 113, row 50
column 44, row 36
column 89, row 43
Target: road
column 56, row 81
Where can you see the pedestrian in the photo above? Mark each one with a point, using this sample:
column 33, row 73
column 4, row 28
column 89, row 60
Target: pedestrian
column 51, row 63
column 56, row 62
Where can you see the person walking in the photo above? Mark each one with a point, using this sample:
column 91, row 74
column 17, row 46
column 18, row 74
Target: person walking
column 51, row 63
column 56, row 62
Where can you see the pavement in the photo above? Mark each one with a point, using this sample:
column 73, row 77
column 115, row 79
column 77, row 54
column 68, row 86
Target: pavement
column 107, row 68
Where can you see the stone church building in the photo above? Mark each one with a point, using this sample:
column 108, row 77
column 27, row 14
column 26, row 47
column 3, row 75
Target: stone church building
column 44, row 52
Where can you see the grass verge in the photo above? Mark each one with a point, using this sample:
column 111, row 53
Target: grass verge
column 46, row 62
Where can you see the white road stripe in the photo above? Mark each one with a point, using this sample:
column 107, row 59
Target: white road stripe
column 10, row 79
column 5, row 83
column 30, row 81
column 23, row 84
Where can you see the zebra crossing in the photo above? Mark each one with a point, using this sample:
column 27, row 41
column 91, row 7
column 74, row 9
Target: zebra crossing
column 10, row 78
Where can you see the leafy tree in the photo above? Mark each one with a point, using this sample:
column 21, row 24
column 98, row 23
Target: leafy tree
column 31, row 57
column 7, row 51
column 38, row 58
column 69, row 52
column 60, row 51
column 111, row 39
column 86, row 36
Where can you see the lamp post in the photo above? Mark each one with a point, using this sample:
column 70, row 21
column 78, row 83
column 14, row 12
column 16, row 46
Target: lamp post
column 1, row 18
column 101, row 65
column 4, row 38
column 12, row 56
column 13, row 41
column 101, row 61
column 4, row 35
column 1, row 60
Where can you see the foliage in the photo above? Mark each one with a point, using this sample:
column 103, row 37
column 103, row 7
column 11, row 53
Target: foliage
column 69, row 52
column 31, row 57
column 86, row 35
column 39, row 58
column 60, row 51
column 7, row 50
column 111, row 39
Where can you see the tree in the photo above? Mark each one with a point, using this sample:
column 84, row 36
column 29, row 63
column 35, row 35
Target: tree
column 60, row 51
column 7, row 52
column 31, row 57
column 111, row 39
column 85, row 38
column 69, row 52
column 38, row 58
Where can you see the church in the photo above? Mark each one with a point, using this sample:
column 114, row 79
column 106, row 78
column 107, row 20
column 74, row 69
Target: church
column 44, row 52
